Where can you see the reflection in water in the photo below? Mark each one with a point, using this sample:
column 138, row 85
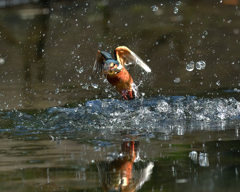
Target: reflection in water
column 70, row 165
column 118, row 173
column 203, row 158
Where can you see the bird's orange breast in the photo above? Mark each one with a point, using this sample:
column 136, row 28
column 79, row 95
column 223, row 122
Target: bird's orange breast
column 122, row 80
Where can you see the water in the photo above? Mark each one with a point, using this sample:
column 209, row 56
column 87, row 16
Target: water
column 167, row 142
column 160, row 114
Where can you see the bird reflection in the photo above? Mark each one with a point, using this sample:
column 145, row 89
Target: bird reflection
column 118, row 172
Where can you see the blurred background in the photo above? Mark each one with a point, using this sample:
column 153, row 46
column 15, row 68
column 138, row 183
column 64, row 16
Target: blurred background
column 48, row 47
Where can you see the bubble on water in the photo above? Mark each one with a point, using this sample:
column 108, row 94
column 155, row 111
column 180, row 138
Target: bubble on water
column 200, row 65
column 176, row 80
column 178, row 3
column 94, row 85
column 2, row 61
column 218, row 83
column 175, row 10
column 154, row 8
column 190, row 66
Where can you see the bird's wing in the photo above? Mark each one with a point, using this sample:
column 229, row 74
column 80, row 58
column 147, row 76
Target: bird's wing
column 98, row 64
column 125, row 56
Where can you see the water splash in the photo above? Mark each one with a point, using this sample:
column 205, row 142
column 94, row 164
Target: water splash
column 161, row 114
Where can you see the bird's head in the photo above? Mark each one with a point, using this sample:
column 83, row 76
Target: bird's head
column 111, row 67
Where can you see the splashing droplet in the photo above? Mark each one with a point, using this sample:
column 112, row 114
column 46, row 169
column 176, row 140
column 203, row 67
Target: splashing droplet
column 175, row 10
column 2, row 61
column 80, row 70
column 205, row 33
column 56, row 91
column 218, row 83
column 190, row 66
column 176, row 80
column 200, row 65
column 178, row 3
column 154, row 8
column 94, row 85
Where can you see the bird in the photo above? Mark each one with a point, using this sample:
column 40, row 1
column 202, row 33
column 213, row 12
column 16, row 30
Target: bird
column 116, row 73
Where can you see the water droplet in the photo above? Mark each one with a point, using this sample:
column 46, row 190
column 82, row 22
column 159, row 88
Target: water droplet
column 176, row 80
column 2, row 61
column 236, row 31
column 190, row 66
column 148, row 60
column 126, row 24
column 220, row 1
column 80, row 70
column 229, row 21
column 200, row 65
column 94, row 85
column 56, row 91
column 154, row 8
column 205, row 32
column 218, row 83
column 178, row 3
column 175, row 10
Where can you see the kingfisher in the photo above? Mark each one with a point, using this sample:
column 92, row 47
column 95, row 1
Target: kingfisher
column 116, row 73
